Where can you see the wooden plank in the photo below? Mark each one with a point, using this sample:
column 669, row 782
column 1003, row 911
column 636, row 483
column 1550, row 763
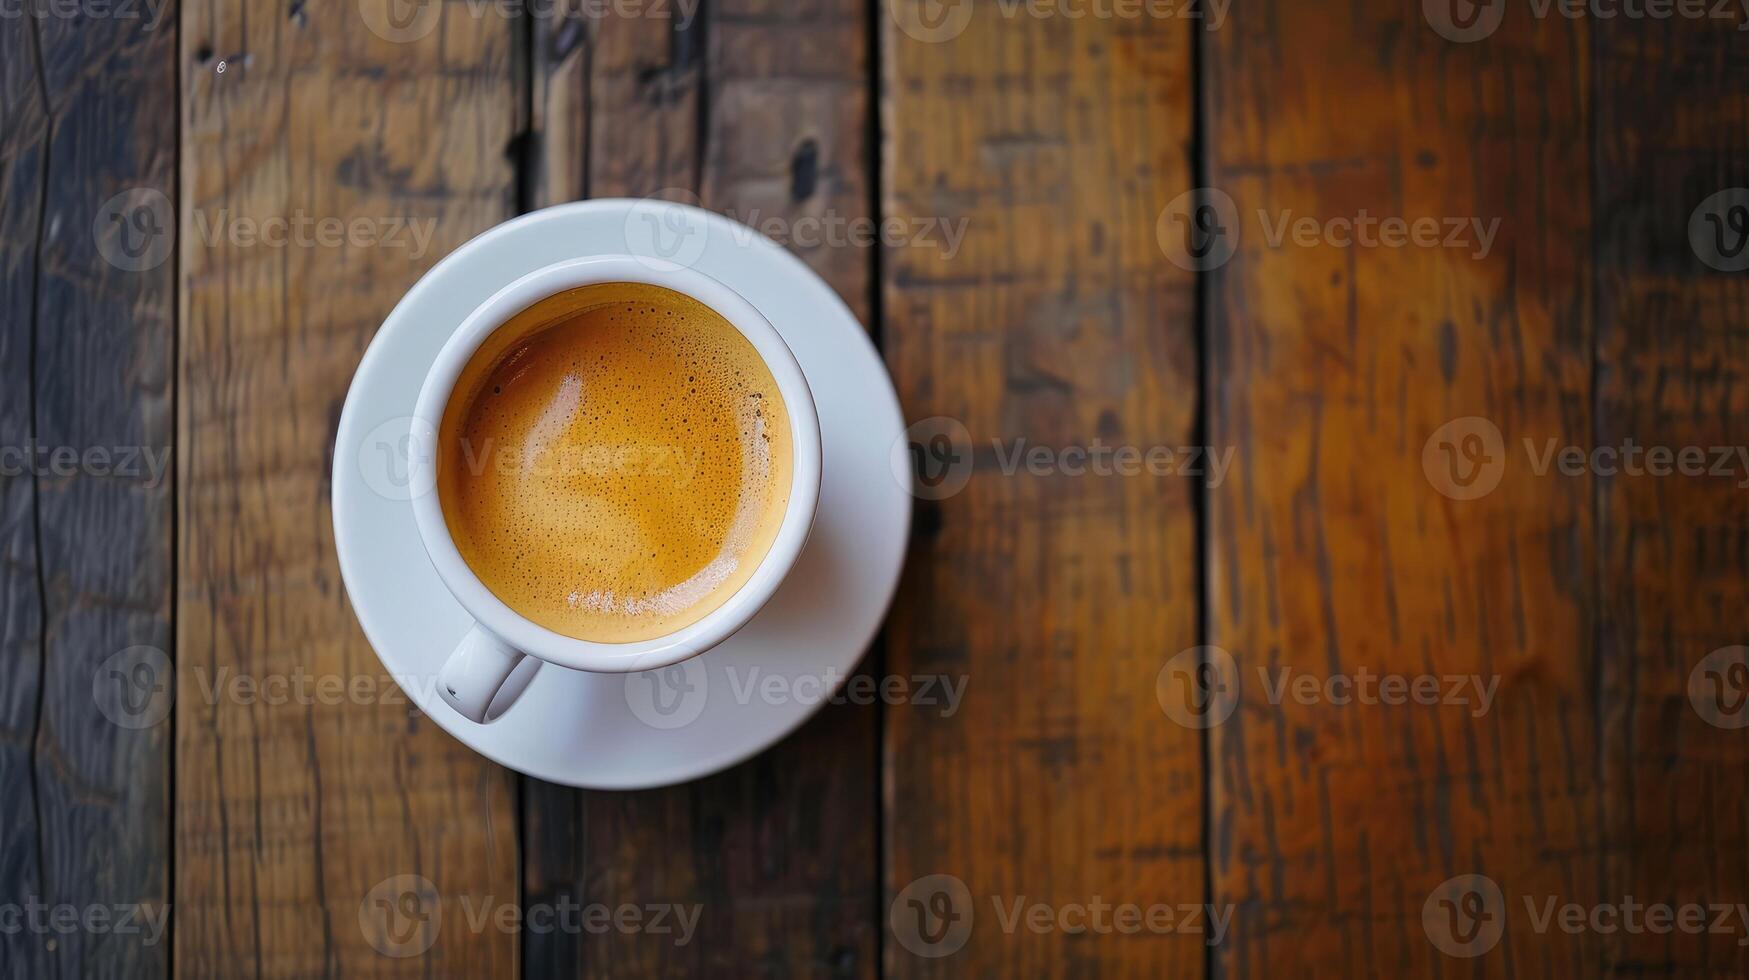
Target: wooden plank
column 1061, row 595
column 90, row 108
column 1673, row 353
column 1342, row 544
column 717, row 105
column 296, row 814
column 23, row 147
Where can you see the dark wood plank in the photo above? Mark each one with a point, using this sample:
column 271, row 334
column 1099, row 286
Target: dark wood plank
column 1673, row 371
column 780, row 851
column 292, row 813
column 89, row 364
column 23, row 147
column 1060, row 596
column 1332, row 551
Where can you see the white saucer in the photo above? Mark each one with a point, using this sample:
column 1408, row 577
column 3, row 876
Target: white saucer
column 628, row 731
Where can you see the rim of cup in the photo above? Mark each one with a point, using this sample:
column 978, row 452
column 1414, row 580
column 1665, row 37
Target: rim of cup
column 491, row 612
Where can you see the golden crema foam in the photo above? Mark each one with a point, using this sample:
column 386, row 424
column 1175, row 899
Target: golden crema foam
column 615, row 462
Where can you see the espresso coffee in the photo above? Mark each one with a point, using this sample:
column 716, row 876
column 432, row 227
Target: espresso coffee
column 615, row 462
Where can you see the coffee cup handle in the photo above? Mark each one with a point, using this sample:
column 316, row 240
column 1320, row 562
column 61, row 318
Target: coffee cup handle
column 475, row 673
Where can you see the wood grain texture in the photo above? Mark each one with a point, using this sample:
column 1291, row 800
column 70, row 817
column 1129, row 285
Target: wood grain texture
column 24, row 141
column 292, row 811
column 89, row 355
column 1058, row 596
column 1673, row 359
column 1331, row 550
column 714, row 105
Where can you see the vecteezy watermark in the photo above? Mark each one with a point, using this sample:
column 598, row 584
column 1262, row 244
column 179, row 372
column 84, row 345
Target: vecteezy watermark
column 135, row 230
column 671, row 227
column 1465, row 21
column 677, row 465
column 571, row 917
column 1466, row 916
column 36, row 917
column 1552, row 912
column 833, row 230
column 935, row 21
column 1718, row 687
column 149, row 464
column 1200, row 686
column 1718, row 230
column 148, row 12
column 1366, row 230
column 135, row 688
column 403, row 916
column 675, row 696
column 397, row 459
column 302, row 687
column 668, row 228
column 1200, row 230
column 303, row 230
column 406, row 21
column 1466, row 458
column 934, row 916
column 934, row 459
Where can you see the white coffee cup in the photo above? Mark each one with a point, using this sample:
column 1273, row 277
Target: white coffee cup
column 487, row 655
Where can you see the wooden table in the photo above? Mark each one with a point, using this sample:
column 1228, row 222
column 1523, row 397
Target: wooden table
column 135, row 314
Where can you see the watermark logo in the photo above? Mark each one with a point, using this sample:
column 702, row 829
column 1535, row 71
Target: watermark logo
column 39, row 918
column 151, row 12
column 398, row 458
column 401, row 916
column 135, row 230
column 1465, row 915
column 935, row 21
column 300, row 229
column 832, row 229
column 150, row 464
column 933, row 458
column 406, row 21
column 667, row 229
column 673, row 697
column 1199, row 229
column 401, row 21
column 932, row 916
column 1464, row 21
column 1465, row 458
column 1718, row 230
column 1199, row 687
column 669, row 697
column 135, row 688
column 569, row 916
column 1718, row 687
column 931, row 21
